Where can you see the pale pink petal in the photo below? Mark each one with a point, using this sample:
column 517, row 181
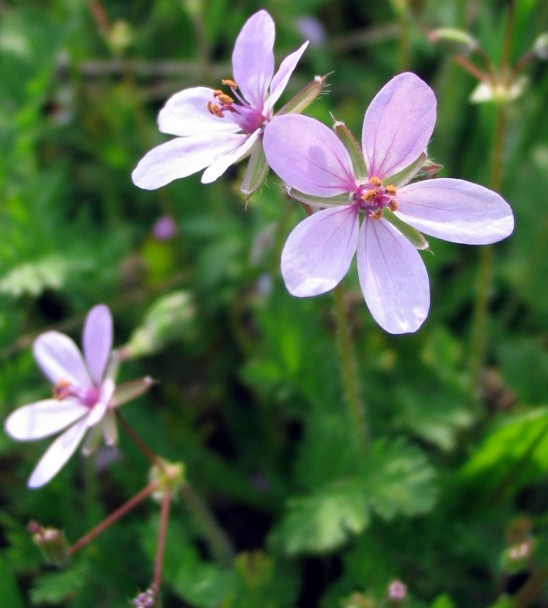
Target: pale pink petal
column 97, row 341
column 98, row 411
column 455, row 210
column 393, row 278
column 217, row 168
column 60, row 359
column 319, row 251
column 282, row 76
column 57, row 455
column 186, row 114
column 181, row 157
column 398, row 124
column 253, row 58
column 308, row 156
column 43, row 418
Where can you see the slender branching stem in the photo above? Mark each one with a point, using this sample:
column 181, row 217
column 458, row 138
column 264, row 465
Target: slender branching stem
column 114, row 516
column 162, row 535
column 143, row 447
column 219, row 544
column 356, row 409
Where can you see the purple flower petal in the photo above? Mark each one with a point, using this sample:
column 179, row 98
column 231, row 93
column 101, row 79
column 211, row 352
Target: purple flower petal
column 57, row 455
column 217, row 168
column 43, row 418
column 97, row 341
column 308, row 156
column 319, row 251
column 397, row 125
column 455, row 210
column 99, row 410
column 186, row 114
column 392, row 277
column 282, row 76
column 253, row 58
column 60, row 359
column 182, row 157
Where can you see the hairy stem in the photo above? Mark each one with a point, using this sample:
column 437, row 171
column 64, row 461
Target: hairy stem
column 162, row 534
column 218, row 542
column 356, row 409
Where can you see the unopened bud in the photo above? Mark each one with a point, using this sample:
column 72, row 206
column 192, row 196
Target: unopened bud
column 144, row 599
column 396, row 591
column 454, row 40
column 304, row 97
column 170, row 318
column 499, row 92
column 540, row 46
column 517, row 558
column 51, row 542
column 120, row 37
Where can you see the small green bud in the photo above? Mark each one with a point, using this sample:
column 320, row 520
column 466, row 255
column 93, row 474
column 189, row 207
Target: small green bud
column 540, row 46
column 256, row 171
column 499, row 92
column 454, row 40
column 171, row 476
column 51, row 542
column 517, row 557
column 120, row 37
column 169, row 318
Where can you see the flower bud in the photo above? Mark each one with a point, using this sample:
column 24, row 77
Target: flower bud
column 540, row 46
column 169, row 318
column 144, row 599
column 454, row 40
column 51, row 542
column 171, row 476
column 396, row 591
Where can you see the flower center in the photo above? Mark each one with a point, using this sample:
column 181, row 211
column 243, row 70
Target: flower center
column 86, row 396
column 372, row 197
column 245, row 116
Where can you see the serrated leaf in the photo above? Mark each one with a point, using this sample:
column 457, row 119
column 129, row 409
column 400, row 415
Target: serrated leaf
column 324, row 521
column 398, row 479
column 57, row 587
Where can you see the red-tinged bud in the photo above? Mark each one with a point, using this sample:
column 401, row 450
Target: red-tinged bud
column 51, row 542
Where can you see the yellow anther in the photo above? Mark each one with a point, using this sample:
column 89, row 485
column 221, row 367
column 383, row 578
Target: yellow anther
column 61, row 390
column 217, row 92
column 225, row 99
column 369, row 195
column 390, row 190
column 229, row 83
column 214, row 109
column 393, row 205
column 375, row 181
column 376, row 214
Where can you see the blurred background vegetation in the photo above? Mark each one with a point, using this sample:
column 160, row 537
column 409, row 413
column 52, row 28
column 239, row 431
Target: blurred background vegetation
column 249, row 392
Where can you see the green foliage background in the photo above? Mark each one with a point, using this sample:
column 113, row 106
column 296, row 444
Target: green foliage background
column 249, row 394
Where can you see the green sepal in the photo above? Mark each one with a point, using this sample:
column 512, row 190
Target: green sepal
column 352, row 147
column 411, row 234
column 454, row 40
column 318, row 201
column 256, row 171
column 304, row 97
column 406, row 175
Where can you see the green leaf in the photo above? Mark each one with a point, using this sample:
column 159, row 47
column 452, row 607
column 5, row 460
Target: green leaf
column 324, row 521
column 399, row 479
column 443, row 601
column 60, row 586
column 11, row 596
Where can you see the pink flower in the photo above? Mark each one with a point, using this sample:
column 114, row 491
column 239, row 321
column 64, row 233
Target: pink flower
column 214, row 128
column 83, row 395
column 333, row 176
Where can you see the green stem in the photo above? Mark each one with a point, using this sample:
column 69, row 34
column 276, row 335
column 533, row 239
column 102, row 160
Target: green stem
column 218, row 542
column 356, row 409
column 479, row 328
column 162, row 534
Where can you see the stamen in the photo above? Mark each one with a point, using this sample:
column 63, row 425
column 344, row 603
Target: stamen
column 61, row 390
column 393, row 205
column 214, row 109
column 229, row 83
column 225, row 99
column 369, row 195
column 390, row 190
column 375, row 214
column 375, row 181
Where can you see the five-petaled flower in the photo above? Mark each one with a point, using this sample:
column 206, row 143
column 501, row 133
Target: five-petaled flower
column 215, row 128
column 84, row 395
column 346, row 184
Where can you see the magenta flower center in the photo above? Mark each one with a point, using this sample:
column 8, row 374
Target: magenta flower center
column 249, row 119
column 372, row 197
column 88, row 395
